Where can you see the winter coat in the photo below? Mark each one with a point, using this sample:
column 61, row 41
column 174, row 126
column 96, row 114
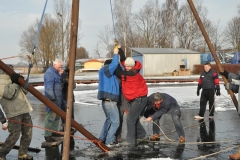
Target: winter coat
column 108, row 86
column 12, row 98
column 234, row 85
column 208, row 80
column 169, row 105
column 133, row 84
column 53, row 87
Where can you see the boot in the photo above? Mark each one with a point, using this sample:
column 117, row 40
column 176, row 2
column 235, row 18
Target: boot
column 25, row 157
column 181, row 139
column 235, row 156
column 155, row 137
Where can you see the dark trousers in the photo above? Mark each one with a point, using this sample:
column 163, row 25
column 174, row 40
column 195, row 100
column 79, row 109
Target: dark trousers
column 134, row 127
column 15, row 129
column 176, row 121
column 64, row 109
column 207, row 95
column 122, row 105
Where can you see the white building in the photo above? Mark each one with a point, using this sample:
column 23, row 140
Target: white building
column 157, row 61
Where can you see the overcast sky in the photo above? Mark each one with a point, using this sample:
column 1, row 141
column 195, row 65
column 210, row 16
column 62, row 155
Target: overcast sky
column 17, row 15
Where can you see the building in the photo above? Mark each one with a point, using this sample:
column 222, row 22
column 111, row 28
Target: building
column 89, row 64
column 157, row 61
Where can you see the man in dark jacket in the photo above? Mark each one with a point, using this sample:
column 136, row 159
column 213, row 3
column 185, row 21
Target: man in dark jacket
column 53, row 91
column 159, row 104
column 209, row 83
column 135, row 90
column 108, row 92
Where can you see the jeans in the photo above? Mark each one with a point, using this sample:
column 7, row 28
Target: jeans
column 177, row 124
column 134, row 127
column 111, row 123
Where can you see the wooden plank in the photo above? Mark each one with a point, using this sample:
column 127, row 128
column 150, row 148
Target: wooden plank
column 29, row 148
column 58, row 141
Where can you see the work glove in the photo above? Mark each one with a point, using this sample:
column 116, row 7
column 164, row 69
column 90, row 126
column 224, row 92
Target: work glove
column 14, row 78
column 4, row 126
column 218, row 91
column 198, row 89
column 115, row 51
column 224, row 73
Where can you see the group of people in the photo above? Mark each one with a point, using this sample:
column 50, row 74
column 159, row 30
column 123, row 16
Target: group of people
column 17, row 107
column 123, row 89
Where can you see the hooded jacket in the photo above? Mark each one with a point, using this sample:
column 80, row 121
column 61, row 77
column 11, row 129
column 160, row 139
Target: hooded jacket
column 12, row 98
column 108, row 84
column 133, row 84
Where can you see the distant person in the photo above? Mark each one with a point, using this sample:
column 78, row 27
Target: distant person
column 209, row 83
column 53, row 91
column 158, row 105
column 16, row 107
column 108, row 92
column 135, row 90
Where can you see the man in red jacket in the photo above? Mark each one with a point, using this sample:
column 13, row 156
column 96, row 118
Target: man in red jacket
column 135, row 90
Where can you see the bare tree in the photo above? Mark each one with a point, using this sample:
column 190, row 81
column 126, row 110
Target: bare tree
column 81, row 52
column 106, row 40
column 122, row 12
column 97, row 51
column 232, row 32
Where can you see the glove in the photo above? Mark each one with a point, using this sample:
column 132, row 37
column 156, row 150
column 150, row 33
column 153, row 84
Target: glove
column 198, row 92
column 218, row 93
column 225, row 74
column 14, row 78
column 198, row 89
column 4, row 126
column 115, row 51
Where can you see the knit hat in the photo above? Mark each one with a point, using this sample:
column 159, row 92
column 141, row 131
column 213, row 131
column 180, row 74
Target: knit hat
column 129, row 62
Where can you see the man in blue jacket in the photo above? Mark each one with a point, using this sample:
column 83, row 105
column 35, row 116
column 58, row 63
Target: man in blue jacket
column 159, row 104
column 108, row 92
column 53, row 91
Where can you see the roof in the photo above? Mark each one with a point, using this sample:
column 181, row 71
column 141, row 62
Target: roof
column 92, row 60
column 83, row 60
column 163, row 51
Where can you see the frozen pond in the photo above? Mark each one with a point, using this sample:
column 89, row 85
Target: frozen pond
column 223, row 130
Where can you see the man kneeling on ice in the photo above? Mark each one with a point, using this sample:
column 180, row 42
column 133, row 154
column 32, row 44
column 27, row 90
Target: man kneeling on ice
column 159, row 104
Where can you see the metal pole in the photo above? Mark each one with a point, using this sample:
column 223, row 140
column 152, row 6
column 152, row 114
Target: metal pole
column 54, row 108
column 71, row 63
column 205, row 35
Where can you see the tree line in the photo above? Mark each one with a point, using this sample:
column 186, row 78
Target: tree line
column 166, row 25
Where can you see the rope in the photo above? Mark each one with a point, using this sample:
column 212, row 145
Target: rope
column 113, row 20
column 39, row 27
column 166, row 142
column 34, row 46
column 201, row 157
column 98, row 142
